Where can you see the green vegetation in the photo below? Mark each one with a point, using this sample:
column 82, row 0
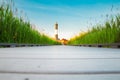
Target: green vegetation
column 14, row 29
column 107, row 33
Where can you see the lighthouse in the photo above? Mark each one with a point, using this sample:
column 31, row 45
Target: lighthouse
column 56, row 31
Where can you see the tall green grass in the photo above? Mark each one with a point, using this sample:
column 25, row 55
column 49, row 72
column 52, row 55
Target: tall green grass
column 14, row 29
column 109, row 32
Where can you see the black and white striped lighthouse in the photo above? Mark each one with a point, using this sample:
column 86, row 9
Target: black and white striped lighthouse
column 56, row 31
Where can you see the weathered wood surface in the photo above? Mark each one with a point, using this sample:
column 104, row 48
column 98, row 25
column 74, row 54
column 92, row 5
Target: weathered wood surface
column 19, row 45
column 114, row 45
column 59, row 63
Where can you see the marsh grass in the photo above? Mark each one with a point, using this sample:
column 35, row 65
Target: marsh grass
column 14, row 29
column 109, row 32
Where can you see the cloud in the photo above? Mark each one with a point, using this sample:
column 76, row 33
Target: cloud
column 53, row 8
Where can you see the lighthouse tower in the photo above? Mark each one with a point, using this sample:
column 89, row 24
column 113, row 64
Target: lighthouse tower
column 56, row 31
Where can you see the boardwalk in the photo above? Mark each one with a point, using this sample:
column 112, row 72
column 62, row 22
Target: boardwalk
column 59, row 63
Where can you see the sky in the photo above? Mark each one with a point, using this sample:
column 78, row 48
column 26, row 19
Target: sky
column 72, row 16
